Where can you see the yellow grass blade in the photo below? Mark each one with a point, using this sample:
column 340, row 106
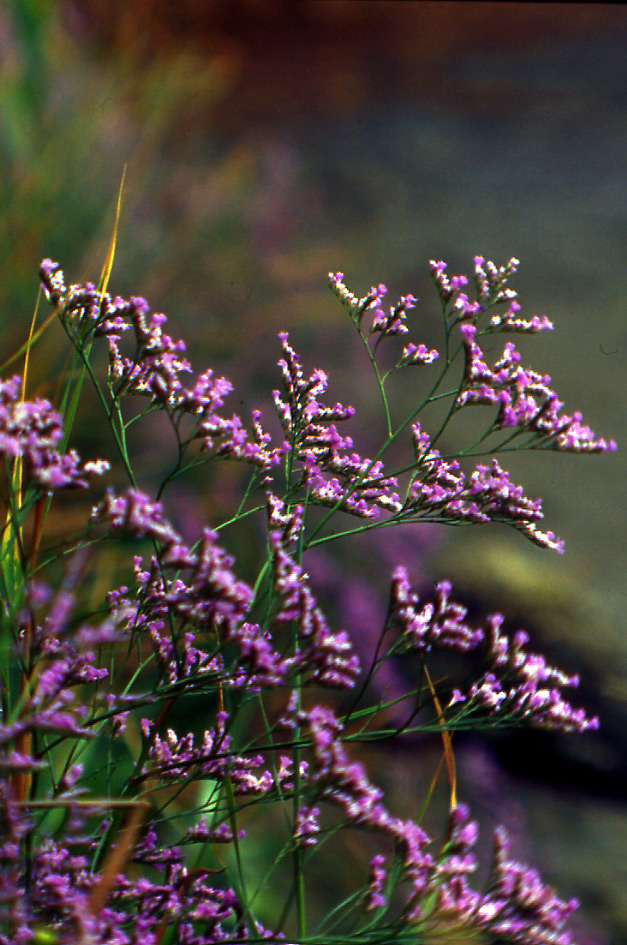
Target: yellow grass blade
column 108, row 263
column 449, row 757
column 10, row 557
column 31, row 341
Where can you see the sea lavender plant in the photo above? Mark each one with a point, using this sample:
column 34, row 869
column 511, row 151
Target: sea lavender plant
column 145, row 733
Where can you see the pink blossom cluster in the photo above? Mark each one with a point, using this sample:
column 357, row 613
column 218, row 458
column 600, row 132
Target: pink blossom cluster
column 383, row 325
column 174, row 758
column 330, row 475
column 490, row 284
column 522, row 685
column 61, row 893
column 514, row 684
column 516, row 908
column 154, row 367
column 524, row 400
column 212, row 606
column 138, row 734
column 53, row 703
column 322, row 656
column 441, row 491
column 440, row 623
column 33, row 430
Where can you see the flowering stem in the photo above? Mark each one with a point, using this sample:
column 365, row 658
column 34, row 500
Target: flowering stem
column 379, row 379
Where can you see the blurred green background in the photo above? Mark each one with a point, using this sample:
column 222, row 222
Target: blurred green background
column 267, row 143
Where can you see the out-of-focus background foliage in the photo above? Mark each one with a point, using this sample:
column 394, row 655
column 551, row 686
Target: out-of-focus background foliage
column 267, row 143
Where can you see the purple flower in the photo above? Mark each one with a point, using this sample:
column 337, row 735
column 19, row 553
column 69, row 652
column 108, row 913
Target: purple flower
column 440, row 624
column 154, row 370
column 357, row 307
column 306, row 827
column 323, row 657
column 417, row 354
column 524, row 400
column 376, row 887
column 331, row 477
column 33, row 429
column 442, row 492
column 137, row 515
column 520, row 686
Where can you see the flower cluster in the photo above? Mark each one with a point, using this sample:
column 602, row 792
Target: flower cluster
column 441, row 491
column 525, row 406
column 383, row 326
column 33, row 430
column 67, row 666
column 522, row 685
column 524, row 399
column 173, row 759
column 146, row 732
column 440, row 623
column 321, row 656
column 62, row 894
column 517, row 907
column 330, row 476
column 213, row 605
column 490, row 285
column 306, row 827
column 154, row 369
column 515, row 684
